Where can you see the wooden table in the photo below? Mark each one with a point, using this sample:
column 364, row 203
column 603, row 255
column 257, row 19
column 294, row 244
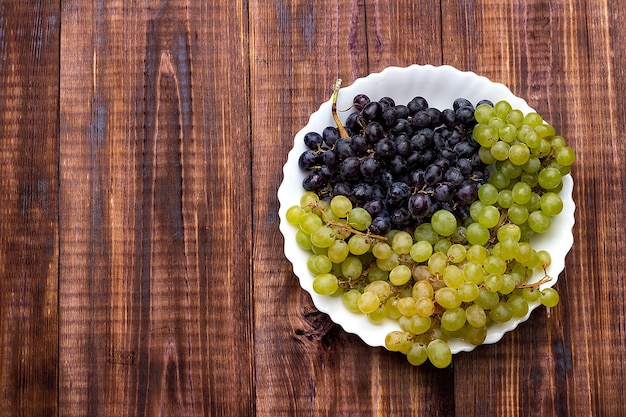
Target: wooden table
column 141, row 265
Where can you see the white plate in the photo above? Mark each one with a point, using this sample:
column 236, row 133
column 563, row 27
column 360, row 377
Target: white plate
column 440, row 86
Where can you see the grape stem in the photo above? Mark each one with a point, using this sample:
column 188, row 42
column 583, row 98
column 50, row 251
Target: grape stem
column 537, row 284
column 342, row 130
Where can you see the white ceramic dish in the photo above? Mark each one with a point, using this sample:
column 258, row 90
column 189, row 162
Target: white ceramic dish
column 440, row 86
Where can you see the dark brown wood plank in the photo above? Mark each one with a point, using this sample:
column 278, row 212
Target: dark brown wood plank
column 29, row 70
column 155, row 246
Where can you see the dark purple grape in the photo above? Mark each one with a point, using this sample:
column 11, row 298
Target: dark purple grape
column 370, row 168
column 443, row 163
column 330, row 135
column 433, row 174
column 387, row 102
column 401, row 126
column 308, row 159
column 400, row 216
column 454, row 176
column 465, row 116
column 313, row 182
column 439, row 141
column 359, row 144
column 397, row 165
column 361, row 193
column 421, row 119
column 344, row 148
column 463, row 150
column 350, row 169
column 352, row 122
column 360, row 101
column 389, row 116
column 380, row 225
column 461, row 102
column 425, row 157
column 464, row 166
column 341, row 188
column 374, row 206
column 372, row 111
column 313, row 140
column 466, row 193
column 374, row 132
column 402, row 111
column 385, row 149
column 454, row 138
column 325, row 172
column 419, row 204
column 403, row 146
column 331, row 159
column 417, row 179
column 435, row 116
column 448, row 118
column 449, row 155
column 443, row 191
column 417, row 104
column 398, row 192
column 485, row 101
column 378, row 192
column 422, row 139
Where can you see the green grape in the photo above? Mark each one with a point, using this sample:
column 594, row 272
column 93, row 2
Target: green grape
column 524, row 252
column 400, row 275
column 485, row 135
column 475, row 209
column 447, row 297
column 509, row 231
column 493, row 282
column 352, row 268
column 545, row 130
column 425, row 232
column 474, row 272
column 442, row 245
column 489, row 217
column 531, row 294
column 437, row 263
column 388, row 264
column 549, row 297
column 475, row 315
column 510, row 170
column 476, row 335
column 381, row 250
column 477, row 253
column 350, row 300
column 303, row 240
column 368, row 302
column 533, row 119
column 501, row 313
column 422, row 289
column 549, row 178
column 418, row 354
column 319, row 251
column 551, row 204
column 500, row 150
column 516, row 118
column 401, row 243
column 521, row 193
column 543, row 150
column 407, row 306
column 338, row 251
column 443, row 222
column 382, row 289
column 518, row 306
column 391, row 308
column 518, row 214
column 459, row 235
column 439, row 353
column 421, row 251
column 530, row 178
column 310, row 222
column 519, row 154
column 544, row 258
column 309, row 199
column 534, row 203
column 425, row 307
column 496, row 123
column 456, row 253
column 487, row 299
column 453, row 319
column 325, row 284
column 500, row 180
column 377, row 316
column 483, row 113
column 377, row 274
column 419, row 325
column 319, row 264
column 485, row 155
column 293, row 215
column 508, row 284
column 508, row 133
column 359, row 244
column 323, row 237
column 494, row 265
column 340, row 206
column 558, row 142
column 477, row 234
column 526, row 133
column 468, row 291
column 533, row 165
column 398, row 341
column 539, row 222
column 488, row 194
column 565, row 156
column 502, row 109
column 453, row 276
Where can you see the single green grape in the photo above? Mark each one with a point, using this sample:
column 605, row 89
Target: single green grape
column 488, row 194
column 400, row 275
column 443, row 222
column 475, row 315
column 439, row 353
column 418, row 354
column 453, row 319
column 325, row 284
column 340, row 206
column 549, row 297
column 421, row 251
column 359, row 244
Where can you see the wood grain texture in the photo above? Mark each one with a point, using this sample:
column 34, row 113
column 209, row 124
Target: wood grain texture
column 29, row 71
column 141, row 148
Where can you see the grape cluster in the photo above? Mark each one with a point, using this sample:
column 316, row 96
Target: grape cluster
column 453, row 272
column 400, row 162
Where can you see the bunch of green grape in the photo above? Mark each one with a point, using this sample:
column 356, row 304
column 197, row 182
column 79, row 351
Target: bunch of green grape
column 445, row 279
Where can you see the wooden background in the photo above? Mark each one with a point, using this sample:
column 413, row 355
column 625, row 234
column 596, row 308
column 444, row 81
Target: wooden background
column 141, row 148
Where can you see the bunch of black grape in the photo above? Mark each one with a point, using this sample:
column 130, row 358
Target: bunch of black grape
column 400, row 162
